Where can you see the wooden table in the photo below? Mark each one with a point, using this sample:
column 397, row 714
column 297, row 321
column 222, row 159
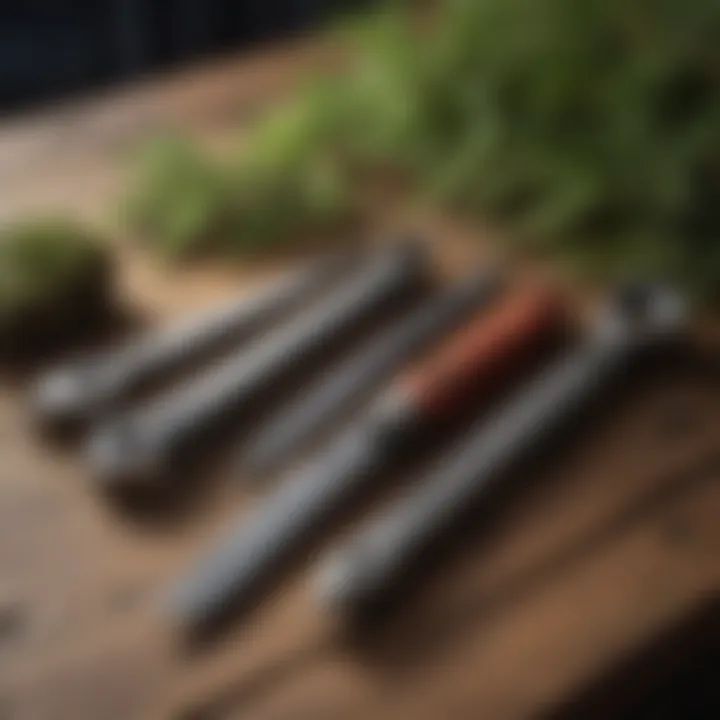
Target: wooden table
column 610, row 548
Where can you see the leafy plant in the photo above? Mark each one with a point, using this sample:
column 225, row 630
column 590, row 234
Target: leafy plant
column 592, row 127
column 282, row 183
column 180, row 197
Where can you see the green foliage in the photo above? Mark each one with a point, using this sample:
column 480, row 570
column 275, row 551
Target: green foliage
column 282, row 184
column 592, row 127
column 180, row 197
column 41, row 259
column 287, row 181
column 53, row 273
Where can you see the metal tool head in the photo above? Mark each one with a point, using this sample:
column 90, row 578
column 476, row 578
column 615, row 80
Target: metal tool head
column 651, row 311
column 68, row 397
column 59, row 399
column 336, row 581
column 55, row 396
column 121, row 454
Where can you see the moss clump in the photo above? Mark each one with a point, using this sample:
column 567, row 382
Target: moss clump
column 55, row 278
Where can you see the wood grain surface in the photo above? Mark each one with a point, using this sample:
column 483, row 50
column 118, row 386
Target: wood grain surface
column 605, row 545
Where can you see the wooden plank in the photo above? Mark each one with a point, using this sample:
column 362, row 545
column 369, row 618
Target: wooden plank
column 531, row 657
column 77, row 631
column 522, row 658
column 558, row 521
column 676, row 674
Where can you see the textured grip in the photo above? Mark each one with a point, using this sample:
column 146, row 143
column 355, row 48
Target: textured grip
column 489, row 349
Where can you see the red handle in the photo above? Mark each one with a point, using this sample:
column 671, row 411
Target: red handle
column 486, row 352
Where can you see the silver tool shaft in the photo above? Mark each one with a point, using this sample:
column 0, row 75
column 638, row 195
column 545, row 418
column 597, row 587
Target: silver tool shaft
column 325, row 401
column 142, row 446
column 79, row 392
column 442, row 386
column 371, row 569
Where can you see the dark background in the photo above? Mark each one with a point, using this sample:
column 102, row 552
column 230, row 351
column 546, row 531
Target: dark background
column 49, row 48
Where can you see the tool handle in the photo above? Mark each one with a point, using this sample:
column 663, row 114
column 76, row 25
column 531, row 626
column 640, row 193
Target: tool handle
column 139, row 446
column 323, row 402
column 490, row 349
column 374, row 565
column 365, row 574
column 236, row 380
column 80, row 391
column 245, row 564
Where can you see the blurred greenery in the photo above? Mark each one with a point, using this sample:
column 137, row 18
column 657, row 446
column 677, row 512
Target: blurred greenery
column 40, row 257
column 590, row 127
column 51, row 269
column 280, row 184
